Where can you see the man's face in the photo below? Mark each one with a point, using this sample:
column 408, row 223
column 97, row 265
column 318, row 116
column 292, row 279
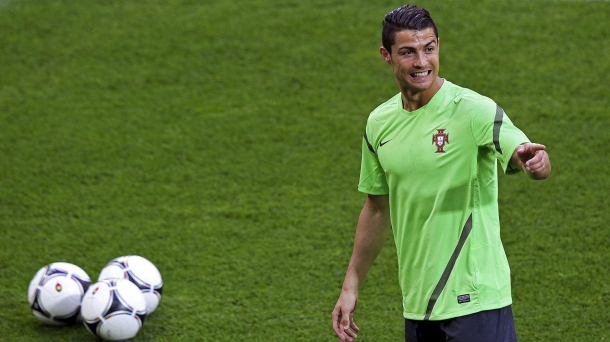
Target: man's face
column 414, row 59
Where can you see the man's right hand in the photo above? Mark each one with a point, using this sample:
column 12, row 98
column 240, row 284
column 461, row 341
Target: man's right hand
column 343, row 321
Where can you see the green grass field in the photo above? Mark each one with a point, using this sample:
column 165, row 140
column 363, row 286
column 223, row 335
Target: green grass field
column 221, row 140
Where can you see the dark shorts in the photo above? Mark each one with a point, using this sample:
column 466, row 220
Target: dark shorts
column 485, row 326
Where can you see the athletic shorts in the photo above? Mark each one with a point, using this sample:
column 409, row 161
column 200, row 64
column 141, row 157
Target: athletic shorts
column 485, row 326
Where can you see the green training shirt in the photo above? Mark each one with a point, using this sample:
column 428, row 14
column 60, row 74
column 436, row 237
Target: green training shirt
column 438, row 165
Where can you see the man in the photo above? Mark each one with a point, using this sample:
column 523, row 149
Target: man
column 429, row 169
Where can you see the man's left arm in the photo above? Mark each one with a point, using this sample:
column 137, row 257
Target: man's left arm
column 532, row 159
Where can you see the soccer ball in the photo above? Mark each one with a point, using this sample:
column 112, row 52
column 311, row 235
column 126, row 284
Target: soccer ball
column 114, row 309
column 56, row 291
column 139, row 271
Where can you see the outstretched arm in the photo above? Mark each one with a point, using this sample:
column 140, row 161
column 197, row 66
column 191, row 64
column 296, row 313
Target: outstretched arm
column 371, row 234
column 533, row 160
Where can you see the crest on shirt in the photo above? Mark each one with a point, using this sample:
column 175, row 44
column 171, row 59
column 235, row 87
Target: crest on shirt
column 440, row 139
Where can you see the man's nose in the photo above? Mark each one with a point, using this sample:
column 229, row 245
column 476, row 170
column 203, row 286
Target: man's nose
column 419, row 60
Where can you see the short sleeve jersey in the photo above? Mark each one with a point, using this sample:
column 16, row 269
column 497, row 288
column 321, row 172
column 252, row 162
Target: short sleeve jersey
column 439, row 166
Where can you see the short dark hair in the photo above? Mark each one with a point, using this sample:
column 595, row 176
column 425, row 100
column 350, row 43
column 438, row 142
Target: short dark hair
column 407, row 17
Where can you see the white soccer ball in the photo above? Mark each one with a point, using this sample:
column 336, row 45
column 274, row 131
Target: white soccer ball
column 139, row 271
column 114, row 309
column 56, row 291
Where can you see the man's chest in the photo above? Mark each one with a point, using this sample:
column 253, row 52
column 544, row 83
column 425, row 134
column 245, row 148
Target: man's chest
column 419, row 147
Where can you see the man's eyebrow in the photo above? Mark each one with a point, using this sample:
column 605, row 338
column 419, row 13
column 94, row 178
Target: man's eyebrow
column 433, row 41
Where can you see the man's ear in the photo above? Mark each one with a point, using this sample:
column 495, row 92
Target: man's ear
column 385, row 54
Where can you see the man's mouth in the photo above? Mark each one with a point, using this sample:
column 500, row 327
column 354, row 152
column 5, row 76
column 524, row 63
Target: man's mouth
column 420, row 74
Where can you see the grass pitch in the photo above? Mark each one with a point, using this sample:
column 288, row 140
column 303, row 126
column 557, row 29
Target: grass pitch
column 221, row 140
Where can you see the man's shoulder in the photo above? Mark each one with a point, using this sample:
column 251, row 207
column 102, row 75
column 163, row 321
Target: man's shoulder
column 462, row 95
column 386, row 109
column 389, row 106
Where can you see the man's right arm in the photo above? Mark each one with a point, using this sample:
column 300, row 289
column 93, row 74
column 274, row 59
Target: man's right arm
column 372, row 232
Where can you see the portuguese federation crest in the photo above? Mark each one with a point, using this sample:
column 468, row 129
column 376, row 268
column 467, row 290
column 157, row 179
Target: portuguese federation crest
column 440, row 139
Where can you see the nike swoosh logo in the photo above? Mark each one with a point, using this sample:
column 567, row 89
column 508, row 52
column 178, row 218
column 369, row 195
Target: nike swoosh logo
column 385, row 142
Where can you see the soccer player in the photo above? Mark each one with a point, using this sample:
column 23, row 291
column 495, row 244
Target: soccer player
column 429, row 169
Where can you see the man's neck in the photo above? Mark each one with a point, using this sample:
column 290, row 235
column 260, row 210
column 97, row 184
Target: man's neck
column 412, row 101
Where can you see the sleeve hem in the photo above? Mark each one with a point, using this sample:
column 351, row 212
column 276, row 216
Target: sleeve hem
column 373, row 191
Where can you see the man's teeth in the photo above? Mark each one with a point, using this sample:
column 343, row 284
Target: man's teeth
column 420, row 74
